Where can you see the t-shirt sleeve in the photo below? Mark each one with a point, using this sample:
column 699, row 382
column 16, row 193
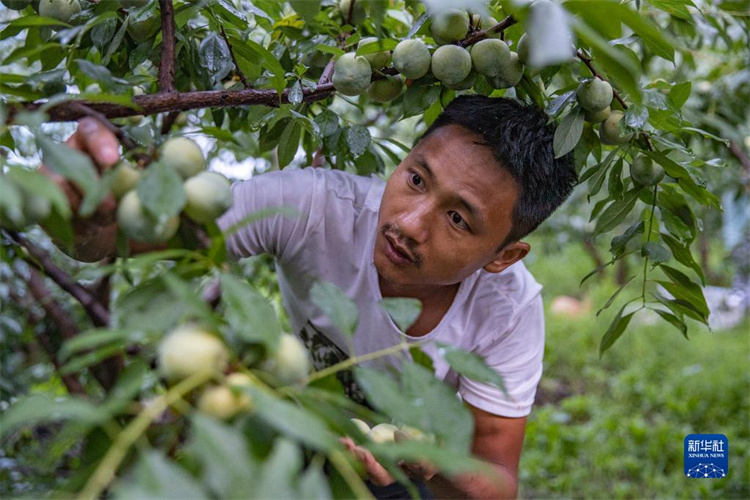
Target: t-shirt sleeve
column 290, row 197
column 517, row 357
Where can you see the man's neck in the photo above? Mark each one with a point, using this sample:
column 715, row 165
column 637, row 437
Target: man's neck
column 436, row 300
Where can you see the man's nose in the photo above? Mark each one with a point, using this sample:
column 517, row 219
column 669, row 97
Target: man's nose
column 415, row 223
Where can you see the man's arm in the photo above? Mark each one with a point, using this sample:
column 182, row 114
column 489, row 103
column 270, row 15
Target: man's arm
column 498, row 441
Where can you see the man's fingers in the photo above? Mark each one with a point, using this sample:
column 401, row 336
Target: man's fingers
column 377, row 474
column 101, row 145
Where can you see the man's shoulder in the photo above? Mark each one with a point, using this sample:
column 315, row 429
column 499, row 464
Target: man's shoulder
column 509, row 291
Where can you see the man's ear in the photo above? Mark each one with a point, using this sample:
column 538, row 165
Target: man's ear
column 510, row 254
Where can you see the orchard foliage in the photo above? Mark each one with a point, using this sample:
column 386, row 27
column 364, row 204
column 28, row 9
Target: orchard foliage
column 317, row 83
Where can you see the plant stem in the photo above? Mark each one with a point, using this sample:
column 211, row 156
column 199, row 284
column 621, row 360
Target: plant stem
column 347, row 363
column 105, row 472
column 648, row 238
column 350, row 475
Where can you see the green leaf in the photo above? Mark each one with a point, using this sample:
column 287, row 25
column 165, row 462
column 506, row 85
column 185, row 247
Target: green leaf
column 292, row 421
column 677, row 8
column 36, row 21
column 34, row 182
column 358, row 139
column 418, row 98
column 31, row 410
column 97, row 337
column 403, row 311
column 376, row 46
column 157, row 477
column 249, row 313
column 655, row 252
column 340, row 309
column 679, row 94
column 674, row 321
column 308, row 9
column 102, row 75
column 76, row 167
column 615, row 330
column 568, row 133
column 707, row 135
column 278, row 477
column 681, row 308
column 150, row 307
column 215, row 57
column 649, row 32
column 636, row 116
column 446, row 460
column 328, row 123
column 614, row 296
column 688, row 290
column 681, row 253
column 278, row 78
column 616, row 212
column 471, row 366
column 160, row 191
column 228, row 468
column 289, row 143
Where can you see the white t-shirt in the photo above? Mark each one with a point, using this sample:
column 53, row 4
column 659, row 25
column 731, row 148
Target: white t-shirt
column 497, row 316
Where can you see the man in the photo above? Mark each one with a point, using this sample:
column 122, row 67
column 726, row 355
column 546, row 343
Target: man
column 446, row 230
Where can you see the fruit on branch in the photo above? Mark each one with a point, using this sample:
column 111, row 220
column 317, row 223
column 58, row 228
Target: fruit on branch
column 183, row 155
column 361, row 425
column 188, row 350
column 412, row 58
column 62, row 10
column 408, row 433
column 488, row 56
column 290, row 363
column 358, row 12
column 143, row 23
column 382, row 433
column 377, row 60
column 610, row 131
column 449, row 26
column 522, row 48
column 597, row 116
column 509, row 75
column 138, row 225
column 125, row 178
column 351, row 74
column 208, row 194
column 594, row 94
column 464, row 84
column 386, row 89
column 484, row 23
column 225, row 401
column 645, row 172
column 451, row 64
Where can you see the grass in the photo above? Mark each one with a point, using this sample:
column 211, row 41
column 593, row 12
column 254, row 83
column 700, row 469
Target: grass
column 614, row 427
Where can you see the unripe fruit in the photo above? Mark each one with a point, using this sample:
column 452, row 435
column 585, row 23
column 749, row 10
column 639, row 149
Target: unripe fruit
column 597, row 116
column 358, row 13
column 183, row 155
column 219, row 402
column 142, row 28
column 609, row 130
column 488, row 56
column 449, row 26
column 376, row 59
column 645, row 172
column 139, row 225
column 412, row 59
column 594, row 94
column 408, row 433
column 386, row 89
column 125, row 178
column 361, row 425
column 451, row 64
column 509, row 75
column 485, row 22
column 62, row 10
column 351, row 74
column 188, row 350
column 208, row 194
column 522, row 48
column 382, row 433
column 290, row 363
column 464, row 84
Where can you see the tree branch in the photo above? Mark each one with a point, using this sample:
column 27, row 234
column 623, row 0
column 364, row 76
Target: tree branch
column 39, row 258
column 237, row 69
column 168, row 51
column 588, row 62
column 482, row 34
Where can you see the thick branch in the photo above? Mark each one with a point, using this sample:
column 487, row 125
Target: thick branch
column 168, row 51
column 237, row 69
column 481, row 35
column 151, row 104
column 39, row 258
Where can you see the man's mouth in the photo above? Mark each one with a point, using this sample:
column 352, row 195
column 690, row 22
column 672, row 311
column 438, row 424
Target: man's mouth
column 397, row 253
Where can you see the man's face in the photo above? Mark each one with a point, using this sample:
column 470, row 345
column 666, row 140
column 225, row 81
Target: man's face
column 445, row 211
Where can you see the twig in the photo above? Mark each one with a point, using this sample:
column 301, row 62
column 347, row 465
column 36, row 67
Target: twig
column 350, row 13
column 237, row 69
column 327, row 74
column 587, row 61
column 168, row 51
column 740, row 155
column 481, row 35
column 169, row 119
column 39, row 258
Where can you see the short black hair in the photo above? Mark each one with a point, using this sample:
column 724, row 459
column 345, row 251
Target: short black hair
column 520, row 136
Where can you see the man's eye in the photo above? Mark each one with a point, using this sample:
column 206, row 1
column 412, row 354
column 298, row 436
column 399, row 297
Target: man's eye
column 458, row 220
column 416, row 179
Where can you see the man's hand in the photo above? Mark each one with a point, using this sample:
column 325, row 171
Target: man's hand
column 94, row 236
column 376, row 473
